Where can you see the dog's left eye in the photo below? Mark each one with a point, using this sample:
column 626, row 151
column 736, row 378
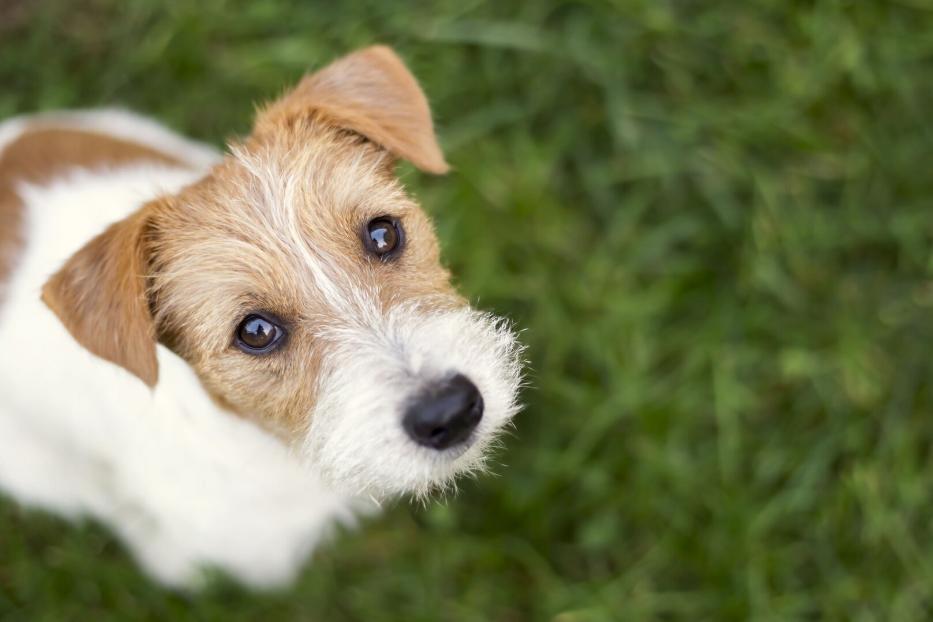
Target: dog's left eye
column 383, row 236
column 258, row 334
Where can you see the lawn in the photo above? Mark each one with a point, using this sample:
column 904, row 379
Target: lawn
column 713, row 221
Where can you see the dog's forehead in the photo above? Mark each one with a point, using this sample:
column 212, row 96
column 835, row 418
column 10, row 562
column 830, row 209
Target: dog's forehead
column 319, row 173
column 319, row 187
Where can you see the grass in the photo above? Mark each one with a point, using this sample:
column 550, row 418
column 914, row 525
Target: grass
column 714, row 222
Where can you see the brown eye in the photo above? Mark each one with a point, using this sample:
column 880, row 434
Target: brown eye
column 257, row 334
column 383, row 236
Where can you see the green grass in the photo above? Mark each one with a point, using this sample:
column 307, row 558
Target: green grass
column 714, row 222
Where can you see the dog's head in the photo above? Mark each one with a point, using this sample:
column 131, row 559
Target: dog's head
column 305, row 289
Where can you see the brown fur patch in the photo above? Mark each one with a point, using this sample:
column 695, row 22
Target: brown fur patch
column 39, row 154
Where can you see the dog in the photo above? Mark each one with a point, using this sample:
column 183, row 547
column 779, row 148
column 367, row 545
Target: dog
column 223, row 356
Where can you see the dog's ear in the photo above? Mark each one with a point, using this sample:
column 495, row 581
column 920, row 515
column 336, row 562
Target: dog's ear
column 100, row 296
column 372, row 93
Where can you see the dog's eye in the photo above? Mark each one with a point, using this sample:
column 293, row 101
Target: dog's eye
column 257, row 334
column 383, row 236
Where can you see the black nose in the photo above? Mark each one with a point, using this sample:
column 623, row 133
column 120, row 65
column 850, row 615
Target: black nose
column 445, row 414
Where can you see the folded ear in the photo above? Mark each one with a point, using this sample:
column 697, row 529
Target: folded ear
column 100, row 297
column 372, row 93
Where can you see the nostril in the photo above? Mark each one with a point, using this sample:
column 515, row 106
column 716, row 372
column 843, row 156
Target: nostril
column 476, row 409
column 445, row 414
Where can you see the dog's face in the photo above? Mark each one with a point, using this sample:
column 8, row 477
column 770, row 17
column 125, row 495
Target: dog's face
column 305, row 289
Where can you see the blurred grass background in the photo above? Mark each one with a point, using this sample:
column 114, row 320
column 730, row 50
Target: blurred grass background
column 714, row 221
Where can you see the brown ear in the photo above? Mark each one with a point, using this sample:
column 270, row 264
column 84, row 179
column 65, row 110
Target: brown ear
column 100, row 297
column 372, row 93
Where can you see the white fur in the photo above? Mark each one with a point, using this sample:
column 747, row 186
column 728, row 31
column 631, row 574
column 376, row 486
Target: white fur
column 381, row 363
column 184, row 483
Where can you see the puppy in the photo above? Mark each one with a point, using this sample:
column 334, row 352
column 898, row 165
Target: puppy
column 220, row 356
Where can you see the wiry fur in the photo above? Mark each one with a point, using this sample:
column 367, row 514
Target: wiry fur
column 380, row 361
column 233, row 460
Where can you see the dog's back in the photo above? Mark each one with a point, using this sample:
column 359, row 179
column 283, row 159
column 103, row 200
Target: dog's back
column 38, row 150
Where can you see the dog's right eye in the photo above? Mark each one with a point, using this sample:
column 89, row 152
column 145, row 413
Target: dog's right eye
column 257, row 334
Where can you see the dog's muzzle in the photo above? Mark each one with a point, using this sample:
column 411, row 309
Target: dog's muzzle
column 445, row 414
